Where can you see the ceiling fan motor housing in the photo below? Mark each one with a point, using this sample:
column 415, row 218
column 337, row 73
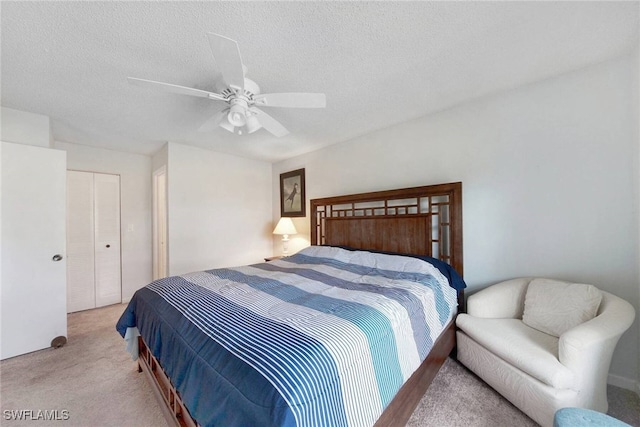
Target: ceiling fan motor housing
column 240, row 100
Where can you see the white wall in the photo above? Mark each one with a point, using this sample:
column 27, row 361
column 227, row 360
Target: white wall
column 219, row 209
column 135, row 206
column 548, row 170
column 160, row 158
column 22, row 127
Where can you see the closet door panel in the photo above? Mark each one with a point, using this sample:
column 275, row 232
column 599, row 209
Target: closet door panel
column 80, row 242
column 107, row 239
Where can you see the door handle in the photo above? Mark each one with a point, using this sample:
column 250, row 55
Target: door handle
column 108, row 246
column 57, row 257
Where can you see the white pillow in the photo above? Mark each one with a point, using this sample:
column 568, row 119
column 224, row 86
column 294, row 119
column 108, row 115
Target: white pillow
column 554, row 307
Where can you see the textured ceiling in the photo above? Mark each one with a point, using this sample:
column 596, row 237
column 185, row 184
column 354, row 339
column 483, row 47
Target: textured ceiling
column 379, row 63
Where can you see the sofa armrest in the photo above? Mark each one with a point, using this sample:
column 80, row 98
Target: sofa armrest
column 588, row 348
column 614, row 318
column 502, row 300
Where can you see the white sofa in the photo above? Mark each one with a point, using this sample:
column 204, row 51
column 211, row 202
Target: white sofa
column 500, row 339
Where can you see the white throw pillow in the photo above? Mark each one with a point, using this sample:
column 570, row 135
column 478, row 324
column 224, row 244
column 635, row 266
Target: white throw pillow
column 554, row 307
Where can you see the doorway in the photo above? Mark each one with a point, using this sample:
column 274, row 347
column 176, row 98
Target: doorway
column 160, row 223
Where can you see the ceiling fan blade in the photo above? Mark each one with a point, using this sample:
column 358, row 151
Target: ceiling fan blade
column 292, row 100
column 214, row 121
column 183, row 90
column 269, row 123
column 227, row 56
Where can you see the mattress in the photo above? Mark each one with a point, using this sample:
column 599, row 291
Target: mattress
column 325, row 337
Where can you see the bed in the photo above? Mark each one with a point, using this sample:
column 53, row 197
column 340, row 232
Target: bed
column 349, row 331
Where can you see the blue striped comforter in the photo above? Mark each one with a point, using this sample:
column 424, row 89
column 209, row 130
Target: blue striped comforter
column 325, row 337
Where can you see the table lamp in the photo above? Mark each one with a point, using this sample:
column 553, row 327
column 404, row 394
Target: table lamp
column 285, row 227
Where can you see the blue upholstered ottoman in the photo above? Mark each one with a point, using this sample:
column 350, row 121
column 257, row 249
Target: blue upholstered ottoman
column 578, row 417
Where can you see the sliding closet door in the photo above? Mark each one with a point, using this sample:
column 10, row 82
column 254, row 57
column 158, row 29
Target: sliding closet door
column 93, row 240
column 107, row 239
column 81, row 293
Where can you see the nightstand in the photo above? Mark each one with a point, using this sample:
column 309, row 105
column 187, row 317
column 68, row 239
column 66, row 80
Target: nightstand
column 271, row 258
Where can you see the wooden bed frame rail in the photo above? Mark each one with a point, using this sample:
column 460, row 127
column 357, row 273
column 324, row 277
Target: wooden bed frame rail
column 173, row 409
column 408, row 397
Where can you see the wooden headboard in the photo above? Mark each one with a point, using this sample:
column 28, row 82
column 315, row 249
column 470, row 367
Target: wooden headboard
column 419, row 220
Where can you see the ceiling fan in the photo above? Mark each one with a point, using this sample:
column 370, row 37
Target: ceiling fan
column 241, row 94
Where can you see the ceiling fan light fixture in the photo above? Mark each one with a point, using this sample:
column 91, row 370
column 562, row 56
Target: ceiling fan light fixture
column 236, row 115
column 228, row 126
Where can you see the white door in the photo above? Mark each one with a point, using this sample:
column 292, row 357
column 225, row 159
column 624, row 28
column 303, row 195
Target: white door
column 93, row 240
column 81, row 292
column 33, row 286
column 107, row 239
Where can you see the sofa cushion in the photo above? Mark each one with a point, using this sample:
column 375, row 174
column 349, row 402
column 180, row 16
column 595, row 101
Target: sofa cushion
column 525, row 348
column 554, row 307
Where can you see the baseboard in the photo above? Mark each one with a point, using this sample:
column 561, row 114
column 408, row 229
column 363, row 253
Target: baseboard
column 623, row 382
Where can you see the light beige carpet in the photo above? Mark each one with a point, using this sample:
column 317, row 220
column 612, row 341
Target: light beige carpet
column 93, row 379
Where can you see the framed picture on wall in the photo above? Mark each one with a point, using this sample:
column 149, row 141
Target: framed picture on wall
column 292, row 198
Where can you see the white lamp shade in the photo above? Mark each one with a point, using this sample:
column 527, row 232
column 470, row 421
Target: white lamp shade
column 252, row 124
column 285, row 226
column 228, row 126
column 236, row 115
